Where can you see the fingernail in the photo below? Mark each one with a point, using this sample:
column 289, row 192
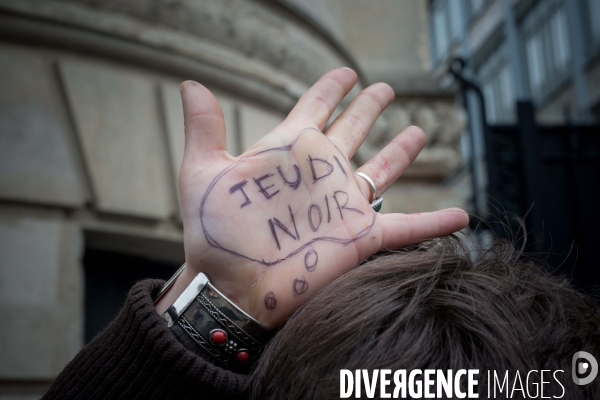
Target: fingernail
column 186, row 84
column 453, row 209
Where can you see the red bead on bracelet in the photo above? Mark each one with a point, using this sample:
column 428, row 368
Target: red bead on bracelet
column 242, row 356
column 218, row 337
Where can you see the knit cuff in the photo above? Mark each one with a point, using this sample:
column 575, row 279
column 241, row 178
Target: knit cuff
column 137, row 356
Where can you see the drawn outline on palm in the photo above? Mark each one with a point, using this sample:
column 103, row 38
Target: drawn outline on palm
column 277, row 184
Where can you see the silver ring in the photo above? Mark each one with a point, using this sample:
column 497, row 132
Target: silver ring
column 371, row 184
column 375, row 201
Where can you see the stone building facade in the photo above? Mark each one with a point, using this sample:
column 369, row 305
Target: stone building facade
column 91, row 134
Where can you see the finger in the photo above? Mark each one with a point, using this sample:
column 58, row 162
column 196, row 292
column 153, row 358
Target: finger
column 350, row 128
column 387, row 165
column 203, row 119
column 319, row 102
column 399, row 230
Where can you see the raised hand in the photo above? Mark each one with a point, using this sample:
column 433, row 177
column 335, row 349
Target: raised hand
column 273, row 226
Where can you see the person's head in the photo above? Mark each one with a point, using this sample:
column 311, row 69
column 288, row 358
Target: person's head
column 436, row 307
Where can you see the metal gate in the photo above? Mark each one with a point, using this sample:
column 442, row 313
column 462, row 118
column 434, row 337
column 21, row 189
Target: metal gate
column 551, row 176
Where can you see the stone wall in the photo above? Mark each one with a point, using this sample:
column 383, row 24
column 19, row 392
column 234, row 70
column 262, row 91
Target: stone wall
column 91, row 139
column 390, row 42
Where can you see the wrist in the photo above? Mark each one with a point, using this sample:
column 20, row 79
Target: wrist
column 247, row 297
column 239, row 296
column 209, row 323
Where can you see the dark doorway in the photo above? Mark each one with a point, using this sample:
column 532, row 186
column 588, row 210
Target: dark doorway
column 108, row 278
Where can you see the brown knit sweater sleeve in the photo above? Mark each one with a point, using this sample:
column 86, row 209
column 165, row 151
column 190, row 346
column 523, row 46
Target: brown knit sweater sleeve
column 137, row 357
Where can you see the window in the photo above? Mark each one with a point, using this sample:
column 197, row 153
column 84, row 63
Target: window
column 560, row 39
column 497, row 82
column 593, row 11
column 446, row 26
column 535, row 62
column 507, row 92
column 440, row 29
column 490, row 103
column 455, row 19
column 547, row 50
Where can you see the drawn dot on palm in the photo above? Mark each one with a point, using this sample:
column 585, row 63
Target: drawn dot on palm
column 276, row 224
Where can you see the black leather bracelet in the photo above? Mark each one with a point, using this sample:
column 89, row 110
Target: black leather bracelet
column 212, row 326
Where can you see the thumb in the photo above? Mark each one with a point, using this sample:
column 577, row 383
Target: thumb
column 203, row 119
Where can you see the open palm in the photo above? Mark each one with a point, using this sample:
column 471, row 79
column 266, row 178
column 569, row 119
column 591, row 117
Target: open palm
column 273, row 226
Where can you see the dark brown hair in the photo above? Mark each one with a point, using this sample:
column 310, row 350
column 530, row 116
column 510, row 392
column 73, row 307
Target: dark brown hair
column 437, row 306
